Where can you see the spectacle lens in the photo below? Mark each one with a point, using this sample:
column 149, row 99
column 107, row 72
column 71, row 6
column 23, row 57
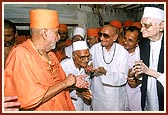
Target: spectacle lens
column 147, row 26
column 82, row 58
column 104, row 35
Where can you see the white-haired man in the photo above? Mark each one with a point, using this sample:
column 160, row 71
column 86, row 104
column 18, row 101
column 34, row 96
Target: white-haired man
column 151, row 65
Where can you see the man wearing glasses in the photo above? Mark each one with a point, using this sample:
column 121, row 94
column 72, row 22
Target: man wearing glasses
column 151, row 65
column 110, row 67
column 77, row 65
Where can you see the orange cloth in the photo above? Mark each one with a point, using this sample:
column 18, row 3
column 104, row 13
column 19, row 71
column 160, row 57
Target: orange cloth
column 127, row 23
column 93, row 31
column 43, row 18
column 116, row 23
column 68, row 42
column 60, row 55
column 137, row 24
column 63, row 27
column 29, row 77
column 20, row 39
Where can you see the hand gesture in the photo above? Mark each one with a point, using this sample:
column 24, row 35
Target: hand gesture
column 133, row 82
column 85, row 93
column 140, row 68
column 98, row 71
column 70, row 80
column 80, row 82
column 11, row 104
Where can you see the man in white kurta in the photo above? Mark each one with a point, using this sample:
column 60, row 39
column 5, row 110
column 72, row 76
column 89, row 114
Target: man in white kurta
column 75, row 65
column 134, row 94
column 131, row 40
column 110, row 61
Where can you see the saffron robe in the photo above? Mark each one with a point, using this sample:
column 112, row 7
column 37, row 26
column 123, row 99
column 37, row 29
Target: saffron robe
column 29, row 77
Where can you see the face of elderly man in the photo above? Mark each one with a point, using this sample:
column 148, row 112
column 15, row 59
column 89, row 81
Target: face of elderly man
column 152, row 23
column 151, row 27
column 50, row 36
column 108, row 36
column 81, row 58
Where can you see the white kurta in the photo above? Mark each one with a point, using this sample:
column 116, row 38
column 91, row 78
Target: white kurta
column 69, row 67
column 134, row 94
column 109, row 91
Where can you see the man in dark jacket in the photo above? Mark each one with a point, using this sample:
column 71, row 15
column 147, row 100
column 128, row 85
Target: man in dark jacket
column 151, row 65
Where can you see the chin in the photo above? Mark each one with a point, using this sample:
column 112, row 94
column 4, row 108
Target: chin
column 145, row 35
column 103, row 44
column 53, row 47
column 126, row 48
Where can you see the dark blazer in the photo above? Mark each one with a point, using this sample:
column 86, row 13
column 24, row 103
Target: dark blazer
column 145, row 56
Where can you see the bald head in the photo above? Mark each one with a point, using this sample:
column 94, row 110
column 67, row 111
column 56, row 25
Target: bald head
column 108, row 35
column 110, row 28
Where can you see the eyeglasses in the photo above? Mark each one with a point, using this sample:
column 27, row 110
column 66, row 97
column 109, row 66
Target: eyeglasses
column 82, row 58
column 104, row 35
column 146, row 26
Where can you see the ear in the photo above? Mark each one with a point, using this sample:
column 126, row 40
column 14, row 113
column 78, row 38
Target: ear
column 16, row 34
column 161, row 26
column 43, row 33
column 73, row 55
column 115, row 37
column 137, row 43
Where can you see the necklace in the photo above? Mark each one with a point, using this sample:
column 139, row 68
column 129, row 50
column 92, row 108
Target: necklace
column 111, row 58
column 47, row 59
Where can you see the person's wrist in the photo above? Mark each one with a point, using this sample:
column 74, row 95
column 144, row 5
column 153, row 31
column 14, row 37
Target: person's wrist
column 105, row 71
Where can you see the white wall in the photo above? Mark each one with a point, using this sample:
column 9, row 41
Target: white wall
column 68, row 13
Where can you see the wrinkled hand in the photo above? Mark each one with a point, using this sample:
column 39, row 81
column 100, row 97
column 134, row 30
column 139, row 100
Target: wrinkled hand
column 89, row 68
column 132, row 82
column 80, row 82
column 100, row 70
column 131, row 73
column 11, row 104
column 85, row 93
column 140, row 68
column 70, row 80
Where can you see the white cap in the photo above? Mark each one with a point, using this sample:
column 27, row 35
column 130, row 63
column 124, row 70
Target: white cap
column 79, row 45
column 153, row 12
column 79, row 31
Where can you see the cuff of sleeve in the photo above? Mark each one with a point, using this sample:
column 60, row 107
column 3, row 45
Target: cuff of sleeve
column 161, row 79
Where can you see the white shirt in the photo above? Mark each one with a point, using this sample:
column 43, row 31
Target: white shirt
column 69, row 67
column 134, row 94
column 109, row 91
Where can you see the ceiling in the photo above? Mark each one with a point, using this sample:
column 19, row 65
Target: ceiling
column 125, row 6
